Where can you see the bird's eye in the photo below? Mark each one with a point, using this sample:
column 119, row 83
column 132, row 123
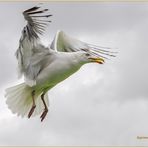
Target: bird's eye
column 87, row 54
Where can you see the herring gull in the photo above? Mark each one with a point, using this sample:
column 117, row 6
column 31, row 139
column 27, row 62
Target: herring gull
column 45, row 67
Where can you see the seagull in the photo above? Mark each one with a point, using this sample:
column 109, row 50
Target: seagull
column 44, row 67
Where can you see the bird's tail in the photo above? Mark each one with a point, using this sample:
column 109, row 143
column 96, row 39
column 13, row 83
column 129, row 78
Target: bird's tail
column 19, row 100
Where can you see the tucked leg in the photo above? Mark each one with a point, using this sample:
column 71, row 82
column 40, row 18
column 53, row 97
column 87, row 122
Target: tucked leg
column 45, row 109
column 33, row 104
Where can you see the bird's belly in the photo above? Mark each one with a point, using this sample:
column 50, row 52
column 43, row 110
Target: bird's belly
column 54, row 74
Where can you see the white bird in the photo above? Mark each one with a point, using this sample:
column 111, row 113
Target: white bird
column 45, row 67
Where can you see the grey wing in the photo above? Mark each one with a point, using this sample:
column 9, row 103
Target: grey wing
column 31, row 53
column 64, row 43
column 34, row 64
column 38, row 61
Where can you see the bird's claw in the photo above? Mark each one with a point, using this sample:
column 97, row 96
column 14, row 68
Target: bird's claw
column 31, row 111
column 44, row 114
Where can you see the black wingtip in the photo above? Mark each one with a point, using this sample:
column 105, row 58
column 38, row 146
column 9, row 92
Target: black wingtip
column 49, row 15
column 41, row 16
column 31, row 9
column 46, row 9
column 37, row 20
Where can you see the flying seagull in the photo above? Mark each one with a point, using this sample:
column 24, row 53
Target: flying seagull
column 45, row 67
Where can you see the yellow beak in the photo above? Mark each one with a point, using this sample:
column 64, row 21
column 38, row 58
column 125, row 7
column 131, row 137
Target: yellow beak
column 97, row 60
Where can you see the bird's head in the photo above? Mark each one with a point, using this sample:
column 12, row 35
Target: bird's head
column 87, row 57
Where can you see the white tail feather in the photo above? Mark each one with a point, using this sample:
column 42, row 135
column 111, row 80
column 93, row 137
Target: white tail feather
column 19, row 100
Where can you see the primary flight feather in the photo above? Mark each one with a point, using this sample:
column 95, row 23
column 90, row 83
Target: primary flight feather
column 45, row 67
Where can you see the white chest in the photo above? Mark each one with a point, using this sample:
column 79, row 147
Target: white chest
column 55, row 73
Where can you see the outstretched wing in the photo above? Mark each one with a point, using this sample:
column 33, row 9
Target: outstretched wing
column 31, row 54
column 64, row 43
column 37, row 20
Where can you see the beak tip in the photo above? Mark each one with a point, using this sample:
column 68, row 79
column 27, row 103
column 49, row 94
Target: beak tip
column 98, row 60
column 101, row 62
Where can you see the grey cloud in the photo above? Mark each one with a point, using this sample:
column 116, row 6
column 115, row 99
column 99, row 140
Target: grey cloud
column 133, row 69
column 99, row 105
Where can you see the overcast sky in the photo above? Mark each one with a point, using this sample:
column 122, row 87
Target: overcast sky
column 100, row 105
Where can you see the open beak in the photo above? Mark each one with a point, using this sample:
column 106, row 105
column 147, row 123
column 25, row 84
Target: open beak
column 97, row 60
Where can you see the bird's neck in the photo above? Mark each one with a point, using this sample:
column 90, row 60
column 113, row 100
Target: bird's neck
column 75, row 60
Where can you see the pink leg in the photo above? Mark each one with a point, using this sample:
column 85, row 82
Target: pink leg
column 45, row 109
column 33, row 105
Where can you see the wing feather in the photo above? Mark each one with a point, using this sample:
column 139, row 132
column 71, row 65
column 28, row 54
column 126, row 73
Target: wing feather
column 31, row 54
column 64, row 43
column 35, row 25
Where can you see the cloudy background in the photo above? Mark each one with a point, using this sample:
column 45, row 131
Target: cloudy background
column 100, row 105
